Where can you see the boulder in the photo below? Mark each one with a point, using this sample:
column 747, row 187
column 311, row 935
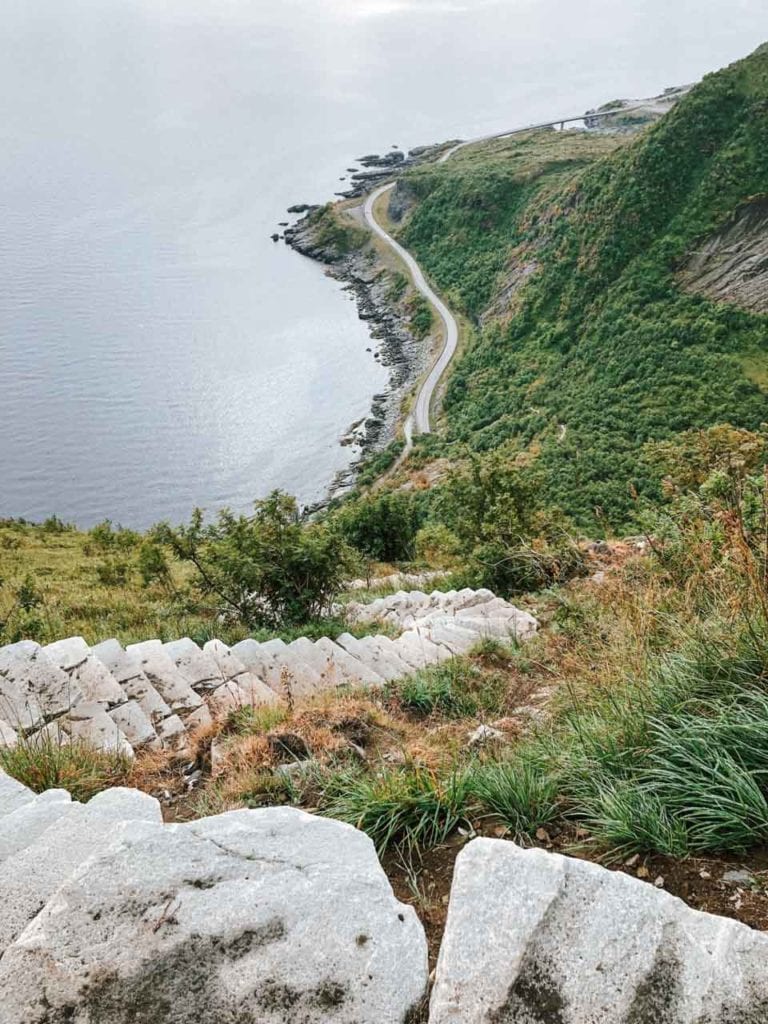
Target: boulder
column 253, row 916
column 90, row 723
column 135, row 725
column 12, row 794
column 30, row 877
column 534, row 937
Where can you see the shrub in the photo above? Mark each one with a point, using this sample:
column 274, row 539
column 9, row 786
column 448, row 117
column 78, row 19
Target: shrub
column 270, row 568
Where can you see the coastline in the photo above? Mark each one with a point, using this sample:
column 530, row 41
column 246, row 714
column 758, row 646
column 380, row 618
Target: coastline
column 393, row 344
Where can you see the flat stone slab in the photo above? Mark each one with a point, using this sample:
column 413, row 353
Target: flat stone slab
column 536, row 938
column 254, row 916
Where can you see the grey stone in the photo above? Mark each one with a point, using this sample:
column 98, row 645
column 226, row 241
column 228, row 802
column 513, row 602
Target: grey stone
column 353, row 670
column 262, row 916
column 198, row 668
column 484, row 734
column 87, row 672
column 372, row 656
column 172, row 733
column 30, row 877
column 89, row 723
column 164, row 676
column 31, row 686
column 8, row 736
column 12, row 794
column 22, row 826
column 135, row 725
column 534, row 937
column 738, row 877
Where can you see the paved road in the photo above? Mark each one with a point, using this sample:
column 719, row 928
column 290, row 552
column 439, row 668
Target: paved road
column 418, row 420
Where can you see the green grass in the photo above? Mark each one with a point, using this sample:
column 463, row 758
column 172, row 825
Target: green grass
column 408, row 807
column 455, row 689
column 522, row 795
column 43, row 763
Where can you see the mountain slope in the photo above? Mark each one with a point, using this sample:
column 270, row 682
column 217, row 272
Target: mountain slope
column 591, row 345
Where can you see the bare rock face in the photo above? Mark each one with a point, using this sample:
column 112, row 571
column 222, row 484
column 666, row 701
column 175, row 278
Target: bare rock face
column 536, row 938
column 265, row 916
column 732, row 264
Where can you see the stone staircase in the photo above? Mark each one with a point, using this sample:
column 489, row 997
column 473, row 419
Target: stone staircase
column 152, row 695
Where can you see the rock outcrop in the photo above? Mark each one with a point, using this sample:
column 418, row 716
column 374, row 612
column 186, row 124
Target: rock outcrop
column 271, row 916
column 152, row 695
column 536, row 938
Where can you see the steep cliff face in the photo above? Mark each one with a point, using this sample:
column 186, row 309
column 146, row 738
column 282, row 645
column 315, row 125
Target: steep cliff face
column 731, row 265
column 597, row 281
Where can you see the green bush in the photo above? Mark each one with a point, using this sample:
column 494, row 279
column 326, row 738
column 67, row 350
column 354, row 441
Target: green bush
column 269, row 569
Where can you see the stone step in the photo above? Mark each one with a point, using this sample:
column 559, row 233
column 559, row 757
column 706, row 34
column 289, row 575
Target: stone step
column 135, row 725
column 390, row 651
column 128, row 672
column 87, row 673
column 384, row 665
column 457, row 639
column 12, row 794
column 22, row 826
column 162, row 672
column 278, row 667
column 419, row 650
column 90, row 723
column 353, row 671
column 198, row 668
column 254, row 690
column 32, row 688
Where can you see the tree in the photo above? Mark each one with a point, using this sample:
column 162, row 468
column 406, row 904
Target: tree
column 270, row 568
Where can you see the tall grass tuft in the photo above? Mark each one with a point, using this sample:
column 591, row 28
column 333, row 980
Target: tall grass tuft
column 523, row 796
column 408, row 807
column 47, row 763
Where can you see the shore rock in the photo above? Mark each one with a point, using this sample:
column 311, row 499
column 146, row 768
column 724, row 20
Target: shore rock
column 270, row 916
column 537, row 938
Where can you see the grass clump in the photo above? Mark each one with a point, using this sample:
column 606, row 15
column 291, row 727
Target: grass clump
column 47, row 763
column 521, row 795
column 455, row 689
column 409, row 807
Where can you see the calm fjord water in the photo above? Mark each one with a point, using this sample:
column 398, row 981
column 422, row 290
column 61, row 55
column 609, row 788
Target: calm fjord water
column 157, row 350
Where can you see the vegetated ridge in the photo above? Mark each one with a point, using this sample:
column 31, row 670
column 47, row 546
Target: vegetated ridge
column 593, row 336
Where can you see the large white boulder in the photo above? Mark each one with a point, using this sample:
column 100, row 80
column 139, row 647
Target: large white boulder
column 536, row 938
column 254, row 916
column 22, row 826
column 29, row 877
column 12, row 794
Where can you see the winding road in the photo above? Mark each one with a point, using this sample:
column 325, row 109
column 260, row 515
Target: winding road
column 418, row 420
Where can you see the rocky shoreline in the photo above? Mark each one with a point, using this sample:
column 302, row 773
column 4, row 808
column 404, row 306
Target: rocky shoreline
column 395, row 347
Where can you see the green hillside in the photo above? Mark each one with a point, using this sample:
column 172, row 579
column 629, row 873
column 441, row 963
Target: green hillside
column 600, row 350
